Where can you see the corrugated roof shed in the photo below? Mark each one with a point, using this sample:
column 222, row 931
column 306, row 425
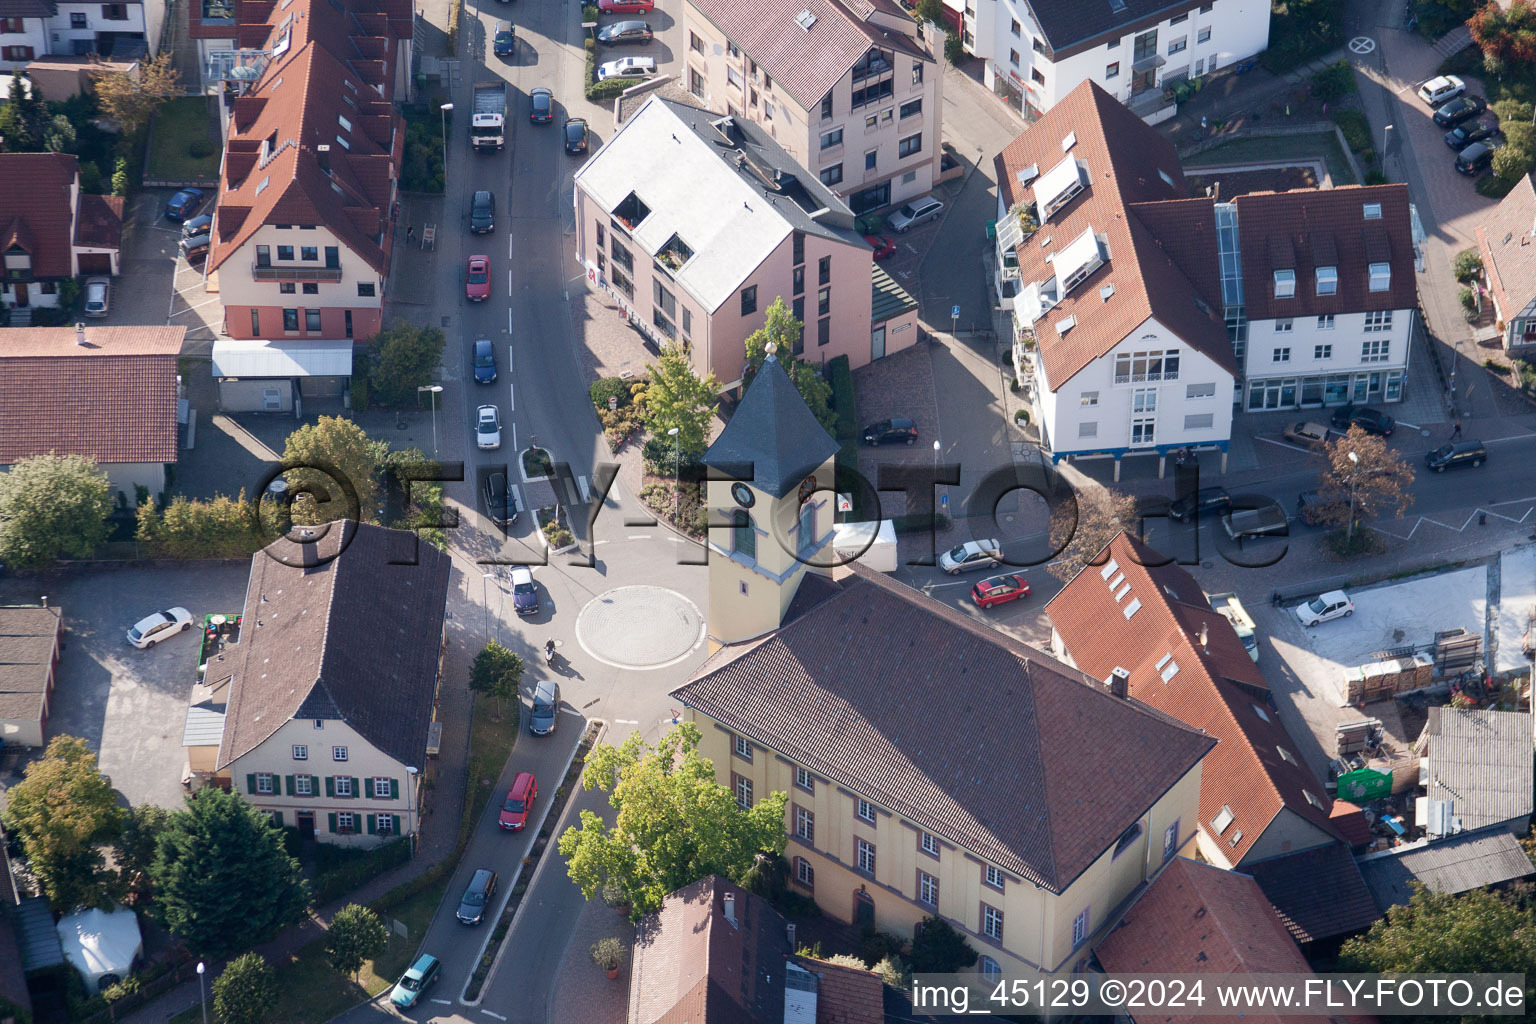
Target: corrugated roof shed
column 1483, row 763
column 1467, row 861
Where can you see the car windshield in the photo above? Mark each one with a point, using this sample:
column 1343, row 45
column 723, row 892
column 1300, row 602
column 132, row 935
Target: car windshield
column 1441, row 452
column 479, row 276
column 410, row 984
column 485, row 358
column 957, row 553
column 515, row 806
column 488, row 426
column 522, row 588
column 908, row 211
column 543, row 707
column 474, row 899
column 1317, row 605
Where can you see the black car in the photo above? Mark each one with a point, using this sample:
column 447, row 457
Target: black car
column 477, row 896
column 1203, row 502
column 1457, row 453
column 1459, row 109
column 575, row 135
column 1468, row 132
column 543, row 110
column 625, row 32
column 500, row 502
column 1372, row 421
column 892, row 431
column 1473, row 160
column 482, row 213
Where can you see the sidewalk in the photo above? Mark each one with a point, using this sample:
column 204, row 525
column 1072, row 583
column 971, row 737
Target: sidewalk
column 1235, row 98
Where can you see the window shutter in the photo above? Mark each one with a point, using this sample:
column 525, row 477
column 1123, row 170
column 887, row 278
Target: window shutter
column 330, row 790
column 355, row 789
column 372, row 830
column 288, row 782
column 277, row 818
column 395, row 823
column 332, row 815
column 250, row 783
column 368, row 787
column 394, row 789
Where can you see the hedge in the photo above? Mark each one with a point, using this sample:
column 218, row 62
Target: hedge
column 354, row 871
column 596, row 90
column 841, row 378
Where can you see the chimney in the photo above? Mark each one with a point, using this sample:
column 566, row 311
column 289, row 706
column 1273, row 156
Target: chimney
column 80, row 333
column 323, row 155
column 789, row 929
column 1205, row 638
column 1119, row 683
column 730, row 908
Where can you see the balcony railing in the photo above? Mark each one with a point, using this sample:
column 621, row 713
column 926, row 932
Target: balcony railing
column 270, row 273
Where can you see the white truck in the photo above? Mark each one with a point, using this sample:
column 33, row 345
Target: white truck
column 1233, row 611
column 488, row 116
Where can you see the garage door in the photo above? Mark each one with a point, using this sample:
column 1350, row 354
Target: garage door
column 95, row 263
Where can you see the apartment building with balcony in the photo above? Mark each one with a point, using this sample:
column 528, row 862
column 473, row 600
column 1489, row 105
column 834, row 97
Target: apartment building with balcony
column 124, row 30
column 852, row 89
column 695, row 222
column 1037, row 51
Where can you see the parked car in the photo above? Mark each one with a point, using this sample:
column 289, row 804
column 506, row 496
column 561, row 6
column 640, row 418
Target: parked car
column 1310, row 436
column 482, row 212
column 519, row 802
column 883, row 246
column 485, row 362
column 487, row 428
column 575, row 135
column 627, row 67
column 625, row 6
column 525, row 596
column 202, row 224
column 183, row 204
column 1333, row 605
column 973, row 554
column 477, row 279
column 1468, row 132
column 542, row 110
column 1202, row 502
column 918, row 211
column 892, row 431
column 500, row 502
column 196, row 249
column 621, row 32
column 504, row 41
column 1457, row 453
column 999, row 590
column 1476, row 158
column 152, row 629
column 98, row 296
column 1372, row 421
column 546, row 707
column 1441, row 89
column 477, row 895
column 415, row 980
column 1459, row 109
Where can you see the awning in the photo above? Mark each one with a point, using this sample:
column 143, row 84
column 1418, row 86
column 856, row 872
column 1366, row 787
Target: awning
column 296, row 358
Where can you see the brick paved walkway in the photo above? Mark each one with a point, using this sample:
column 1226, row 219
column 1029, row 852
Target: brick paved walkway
column 587, row 995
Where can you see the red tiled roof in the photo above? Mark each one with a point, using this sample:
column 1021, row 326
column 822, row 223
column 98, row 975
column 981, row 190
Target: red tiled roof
column 99, row 224
column 1349, row 822
column 1216, row 688
column 113, row 399
column 35, row 210
column 1306, row 228
column 1507, row 240
column 1318, row 893
column 856, row 705
column 1162, row 244
column 845, row 995
column 1198, row 919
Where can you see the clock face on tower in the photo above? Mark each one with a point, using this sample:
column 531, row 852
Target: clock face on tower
column 807, row 489
column 743, row 495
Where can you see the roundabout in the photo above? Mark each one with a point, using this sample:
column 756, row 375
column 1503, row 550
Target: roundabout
column 640, row 627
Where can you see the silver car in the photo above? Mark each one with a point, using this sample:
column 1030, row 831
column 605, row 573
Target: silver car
column 488, row 428
column 98, row 296
column 918, row 211
column 974, row 554
column 627, row 67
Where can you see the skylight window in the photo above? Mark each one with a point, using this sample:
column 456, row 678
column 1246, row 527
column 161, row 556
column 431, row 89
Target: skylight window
column 1164, row 175
column 1109, row 570
column 1068, row 142
column 1165, row 659
column 1371, row 211
column 1082, row 256
column 282, row 45
column 1119, row 579
column 1028, row 174
column 1133, row 607
column 1063, row 326
column 1222, row 821
column 264, row 183
column 1106, row 291
column 344, row 143
column 805, row 19
column 1170, row 671
column 1117, row 5
column 1057, row 186
column 345, row 124
column 1312, row 799
column 1286, row 755
column 1260, row 712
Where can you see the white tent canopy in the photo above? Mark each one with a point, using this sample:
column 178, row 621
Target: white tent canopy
column 101, row 945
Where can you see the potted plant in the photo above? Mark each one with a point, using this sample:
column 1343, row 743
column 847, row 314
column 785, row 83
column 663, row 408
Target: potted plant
column 610, row 954
column 615, row 898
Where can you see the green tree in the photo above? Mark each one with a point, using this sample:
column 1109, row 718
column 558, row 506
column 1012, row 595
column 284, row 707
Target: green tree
column 939, row 949
column 1507, row 37
column 676, row 397
column 1467, row 264
column 931, row 11
column 1381, row 480
column 52, row 506
column 131, row 100
column 674, row 823
column 63, row 811
column 60, row 136
column 219, row 527
column 1512, row 111
column 1084, row 523
column 954, row 48
column 137, row 844
column 1512, row 161
column 406, row 358
column 120, row 177
column 356, row 934
column 784, row 331
column 246, row 991
column 424, row 502
column 223, row 879
column 323, row 450
column 496, row 672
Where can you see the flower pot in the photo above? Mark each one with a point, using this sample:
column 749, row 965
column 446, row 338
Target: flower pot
column 613, row 972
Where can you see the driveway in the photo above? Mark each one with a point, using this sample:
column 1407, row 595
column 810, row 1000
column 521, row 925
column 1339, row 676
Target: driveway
column 129, row 704
column 146, row 265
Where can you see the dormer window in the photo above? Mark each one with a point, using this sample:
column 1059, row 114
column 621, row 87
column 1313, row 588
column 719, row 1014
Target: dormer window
column 1058, row 185
column 1372, row 211
column 1082, row 257
column 1381, row 277
column 1327, row 280
column 1285, row 284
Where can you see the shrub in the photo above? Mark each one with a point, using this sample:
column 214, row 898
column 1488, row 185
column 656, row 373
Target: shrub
column 1467, row 264
column 589, row 12
column 1356, row 129
column 359, row 389
column 557, row 535
column 609, row 953
column 198, row 149
column 1493, row 186
column 875, row 945
column 120, row 177
column 661, row 459
column 1333, row 81
column 1375, row 177
column 605, row 388
column 954, row 48
column 939, row 949
column 90, row 177
column 893, row 972
column 1512, row 111
column 843, row 401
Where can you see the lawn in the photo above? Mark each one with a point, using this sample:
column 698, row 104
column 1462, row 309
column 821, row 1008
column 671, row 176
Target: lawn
column 182, row 149
column 1280, row 149
column 490, row 744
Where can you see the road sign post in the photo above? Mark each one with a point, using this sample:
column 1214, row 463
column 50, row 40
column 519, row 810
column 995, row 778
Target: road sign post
column 954, row 318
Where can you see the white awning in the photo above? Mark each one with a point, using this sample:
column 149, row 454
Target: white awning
column 300, row 357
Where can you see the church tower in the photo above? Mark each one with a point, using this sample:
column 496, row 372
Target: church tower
column 775, row 464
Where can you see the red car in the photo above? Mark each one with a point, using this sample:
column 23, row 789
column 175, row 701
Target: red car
column 626, row 6
column 519, row 802
column 883, row 246
column 477, row 281
column 999, row 590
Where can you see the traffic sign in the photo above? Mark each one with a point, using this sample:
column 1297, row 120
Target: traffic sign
column 954, row 312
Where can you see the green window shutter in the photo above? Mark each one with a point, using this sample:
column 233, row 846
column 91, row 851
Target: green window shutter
column 288, row 783
column 330, row 790
column 396, row 821
column 356, row 786
column 250, row 783
column 332, row 817
column 277, row 818
column 371, row 829
column 368, row 787
column 394, row 789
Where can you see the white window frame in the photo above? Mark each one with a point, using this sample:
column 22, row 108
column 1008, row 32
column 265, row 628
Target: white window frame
column 1376, row 350
column 1089, row 399
column 1280, row 355
column 1322, row 351
column 1378, row 320
column 1284, row 284
column 338, row 753
column 805, row 780
column 991, row 922
column 1325, row 321
column 1080, row 929
column 343, row 786
column 994, row 878
column 864, row 855
column 345, row 822
column 743, row 748
column 929, row 843
column 1284, row 325
column 384, row 824
column 1198, row 391
column 300, row 752
column 743, row 792
column 805, row 824
column 1088, row 429
column 805, row 874
column 865, row 811
column 927, row 889
column 266, row 784
column 1380, row 277
column 303, row 785
column 382, row 786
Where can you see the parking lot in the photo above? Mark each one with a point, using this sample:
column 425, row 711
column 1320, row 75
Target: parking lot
column 129, row 704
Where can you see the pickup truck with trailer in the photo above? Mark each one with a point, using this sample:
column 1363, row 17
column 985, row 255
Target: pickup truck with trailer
column 488, row 116
column 1233, row 611
column 1256, row 522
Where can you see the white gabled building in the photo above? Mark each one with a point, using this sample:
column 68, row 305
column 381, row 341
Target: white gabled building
column 1038, row 51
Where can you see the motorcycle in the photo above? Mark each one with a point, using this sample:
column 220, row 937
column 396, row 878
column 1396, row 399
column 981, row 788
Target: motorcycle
column 549, row 652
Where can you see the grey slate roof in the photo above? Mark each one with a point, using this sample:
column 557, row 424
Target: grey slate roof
column 1318, row 893
column 353, row 636
column 773, row 439
column 28, row 8
column 1069, row 25
column 871, row 687
column 890, row 299
column 1469, row 860
column 1483, row 763
column 37, row 936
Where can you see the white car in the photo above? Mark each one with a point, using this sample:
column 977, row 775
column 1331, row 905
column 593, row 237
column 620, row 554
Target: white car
column 1441, row 90
column 487, row 428
column 98, row 296
column 151, row 629
column 1333, row 605
column 974, row 554
column 918, row 211
column 627, row 67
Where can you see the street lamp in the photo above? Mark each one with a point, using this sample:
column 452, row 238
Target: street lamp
column 201, row 995
column 486, row 599
column 445, row 108
column 411, row 771
column 1349, row 531
column 677, row 471
column 434, row 390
